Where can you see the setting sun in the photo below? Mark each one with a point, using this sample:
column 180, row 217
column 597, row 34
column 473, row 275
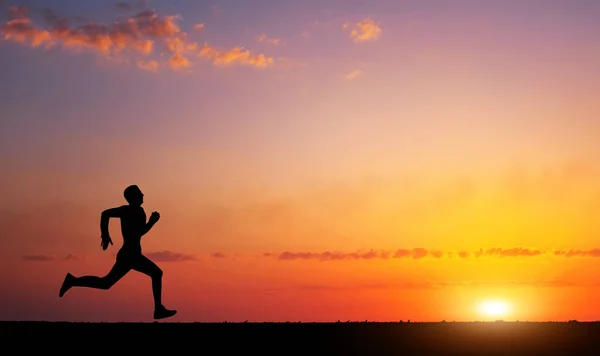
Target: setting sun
column 496, row 308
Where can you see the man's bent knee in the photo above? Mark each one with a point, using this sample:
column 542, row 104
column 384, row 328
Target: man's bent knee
column 158, row 273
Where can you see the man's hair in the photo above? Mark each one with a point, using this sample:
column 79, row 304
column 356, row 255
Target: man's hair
column 130, row 192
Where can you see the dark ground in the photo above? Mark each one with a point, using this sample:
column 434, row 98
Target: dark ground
column 445, row 338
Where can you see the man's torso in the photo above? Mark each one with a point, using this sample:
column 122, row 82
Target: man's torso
column 133, row 222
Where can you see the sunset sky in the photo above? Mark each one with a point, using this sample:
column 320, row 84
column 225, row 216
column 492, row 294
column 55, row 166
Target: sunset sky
column 314, row 160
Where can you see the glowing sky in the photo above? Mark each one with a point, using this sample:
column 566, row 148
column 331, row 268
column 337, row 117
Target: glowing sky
column 311, row 160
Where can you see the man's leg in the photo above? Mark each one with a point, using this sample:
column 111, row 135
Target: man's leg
column 117, row 272
column 143, row 265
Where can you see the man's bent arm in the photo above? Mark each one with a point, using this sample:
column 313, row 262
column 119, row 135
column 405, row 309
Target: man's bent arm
column 105, row 217
column 147, row 227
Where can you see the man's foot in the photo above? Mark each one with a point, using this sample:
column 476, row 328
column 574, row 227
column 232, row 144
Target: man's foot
column 67, row 284
column 162, row 312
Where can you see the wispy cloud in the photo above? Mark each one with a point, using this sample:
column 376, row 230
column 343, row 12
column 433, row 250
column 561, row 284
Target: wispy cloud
column 125, row 6
column 38, row 258
column 72, row 257
column 578, row 253
column 169, row 256
column 151, row 65
column 433, row 285
column 142, row 34
column 48, row 258
column 263, row 38
column 236, row 55
column 353, row 74
column 362, row 31
column 414, row 253
column 134, row 34
column 216, row 11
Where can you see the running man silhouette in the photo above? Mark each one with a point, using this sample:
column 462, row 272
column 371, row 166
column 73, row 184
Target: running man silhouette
column 133, row 227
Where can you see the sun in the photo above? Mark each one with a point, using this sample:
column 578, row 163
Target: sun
column 494, row 308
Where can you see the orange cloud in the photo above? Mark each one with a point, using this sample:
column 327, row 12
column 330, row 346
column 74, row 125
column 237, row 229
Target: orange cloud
column 579, row 253
column 328, row 256
column 512, row 252
column 264, row 39
column 199, row 26
column 151, row 24
column 353, row 74
column 136, row 33
column 139, row 34
column 38, row 258
column 365, row 30
column 415, row 253
column 178, row 61
column 144, row 47
column 21, row 30
column 151, row 66
column 168, row 256
column 237, row 55
column 180, row 44
column 48, row 258
column 447, row 284
column 72, row 257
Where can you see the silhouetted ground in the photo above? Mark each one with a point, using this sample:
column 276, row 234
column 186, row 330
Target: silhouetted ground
column 477, row 338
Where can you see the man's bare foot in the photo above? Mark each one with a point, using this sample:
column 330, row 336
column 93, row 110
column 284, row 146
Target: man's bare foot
column 67, row 284
column 162, row 312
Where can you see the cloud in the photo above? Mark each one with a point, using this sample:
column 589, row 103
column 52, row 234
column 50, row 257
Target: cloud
column 463, row 254
column 178, row 61
column 218, row 255
column 329, row 256
column 415, row 254
column 142, row 34
column 125, row 6
column 286, row 62
column 199, row 26
column 135, row 34
column 143, row 47
column 168, row 256
column 362, row 31
column 216, row 11
column 512, row 252
column 180, row 47
column 578, row 253
column 48, row 258
column 151, row 66
column 18, row 12
column 429, row 285
column 38, row 258
column 236, row 55
column 353, row 74
column 72, row 257
column 263, row 38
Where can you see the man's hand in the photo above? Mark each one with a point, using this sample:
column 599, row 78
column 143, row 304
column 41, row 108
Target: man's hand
column 105, row 241
column 154, row 217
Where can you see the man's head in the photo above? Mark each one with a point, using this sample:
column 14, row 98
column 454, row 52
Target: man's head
column 133, row 195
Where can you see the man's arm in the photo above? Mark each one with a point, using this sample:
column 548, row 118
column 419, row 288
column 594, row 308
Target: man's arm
column 147, row 227
column 153, row 219
column 105, row 217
